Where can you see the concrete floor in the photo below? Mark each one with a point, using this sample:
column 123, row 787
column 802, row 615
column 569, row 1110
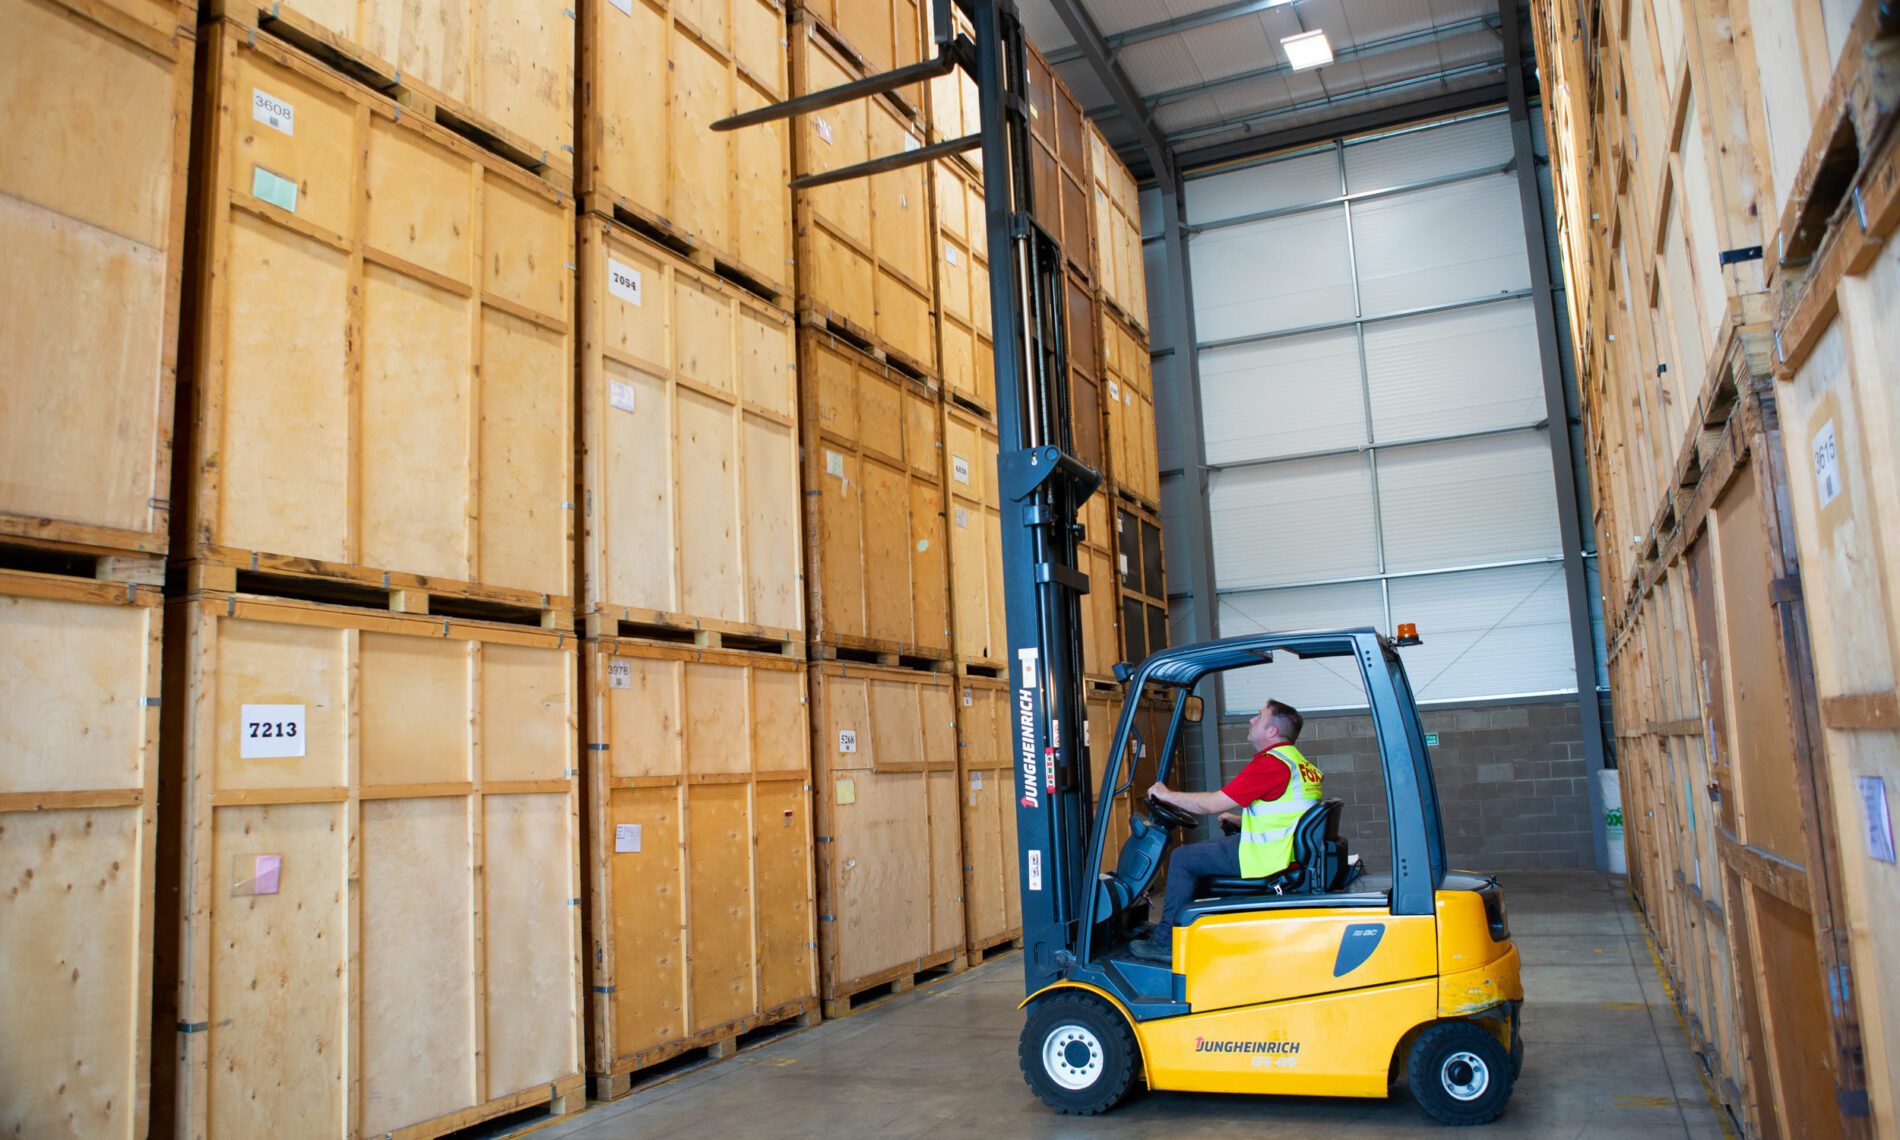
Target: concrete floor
column 1605, row 1057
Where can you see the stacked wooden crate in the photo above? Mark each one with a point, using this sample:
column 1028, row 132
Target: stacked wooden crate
column 698, row 849
column 878, row 502
column 1739, row 417
column 370, row 760
column 92, row 221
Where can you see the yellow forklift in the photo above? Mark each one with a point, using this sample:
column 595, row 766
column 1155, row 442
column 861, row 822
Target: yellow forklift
column 1315, row 981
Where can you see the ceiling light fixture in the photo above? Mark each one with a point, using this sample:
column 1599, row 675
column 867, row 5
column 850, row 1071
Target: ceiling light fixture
column 1307, row 50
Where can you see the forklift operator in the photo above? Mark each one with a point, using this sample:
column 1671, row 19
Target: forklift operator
column 1277, row 787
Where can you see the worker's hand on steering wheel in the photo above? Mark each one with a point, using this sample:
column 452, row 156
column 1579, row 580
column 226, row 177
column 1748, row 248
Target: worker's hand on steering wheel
column 1165, row 814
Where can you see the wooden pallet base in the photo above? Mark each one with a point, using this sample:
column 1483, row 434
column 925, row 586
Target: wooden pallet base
column 1121, row 315
column 869, row 992
column 657, row 1066
column 971, row 405
column 994, row 947
column 70, row 561
column 657, row 628
column 308, row 580
column 1139, row 500
column 882, row 654
column 688, row 246
column 980, row 668
column 382, row 76
column 518, row 1114
column 862, row 339
column 1101, row 687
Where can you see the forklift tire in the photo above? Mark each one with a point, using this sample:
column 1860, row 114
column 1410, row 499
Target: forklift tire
column 1459, row 1074
column 1077, row 1053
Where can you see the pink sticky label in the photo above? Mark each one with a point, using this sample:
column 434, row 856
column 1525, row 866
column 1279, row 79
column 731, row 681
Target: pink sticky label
column 265, row 882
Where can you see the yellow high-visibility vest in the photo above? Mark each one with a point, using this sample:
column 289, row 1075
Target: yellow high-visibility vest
column 1266, row 826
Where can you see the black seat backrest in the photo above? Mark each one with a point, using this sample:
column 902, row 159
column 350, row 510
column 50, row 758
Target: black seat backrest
column 1318, row 860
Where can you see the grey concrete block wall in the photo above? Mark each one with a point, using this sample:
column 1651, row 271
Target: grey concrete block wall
column 1513, row 783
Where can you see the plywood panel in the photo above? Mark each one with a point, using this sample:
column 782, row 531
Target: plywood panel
column 689, row 471
column 527, row 840
column 429, row 284
column 963, row 285
column 976, row 557
column 1119, row 272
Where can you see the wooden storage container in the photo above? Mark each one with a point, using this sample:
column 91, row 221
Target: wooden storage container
column 1086, row 410
column 976, row 541
column 654, row 78
column 873, row 36
column 701, row 917
column 373, row 922
column 79, row 687
column 954, row 110
column 689, row 454
column 967, row 350
column 500, row 73
column 92, row 222
column 863, row 245
column 1129, row 413
column 1120, row 272
column 890, row 866
column 1101, row 606
column 381, row 379
column 1144, row 592
column 1058, row 165
column 876, row 548
column 986, row 772
column 1103, row 700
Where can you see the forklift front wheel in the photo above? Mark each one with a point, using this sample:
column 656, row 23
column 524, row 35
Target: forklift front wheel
column 1077, row 1053
column 1460, row 1074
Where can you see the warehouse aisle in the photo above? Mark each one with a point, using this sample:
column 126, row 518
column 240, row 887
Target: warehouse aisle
column 1606, row 1058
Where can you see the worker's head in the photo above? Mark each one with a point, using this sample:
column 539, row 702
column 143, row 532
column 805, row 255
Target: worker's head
column 1275, row 723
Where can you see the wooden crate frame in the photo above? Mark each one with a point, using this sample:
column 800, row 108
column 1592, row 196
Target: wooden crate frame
column 515, row 776
column 876, row 547
column 87, row 462
column 873, row 37
column 1128, row 413
column 1120, row 272
column 960, row 251
column 976, row 541
column 506, row 474
column 653, row 80
column 986, row 771
column 1059, row 167
column 1101, row 607
column 900, row 728
column 1141, row 584
column 690, row 497
column 631, row 778
column 78, row 983
column 865, row 266
column 417, row 74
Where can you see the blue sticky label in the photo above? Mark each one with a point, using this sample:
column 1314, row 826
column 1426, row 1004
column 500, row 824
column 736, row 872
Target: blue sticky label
column 278, row 191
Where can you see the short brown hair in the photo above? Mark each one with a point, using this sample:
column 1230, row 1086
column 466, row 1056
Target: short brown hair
column 1286, row 718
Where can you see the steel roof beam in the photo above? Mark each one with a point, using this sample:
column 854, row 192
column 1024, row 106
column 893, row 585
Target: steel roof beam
column 1155, row 31
column 1095, row 50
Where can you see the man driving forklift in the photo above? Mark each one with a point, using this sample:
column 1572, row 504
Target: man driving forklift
column 1277, row 787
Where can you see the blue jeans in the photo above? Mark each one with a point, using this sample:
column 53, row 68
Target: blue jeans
column 1190, row 862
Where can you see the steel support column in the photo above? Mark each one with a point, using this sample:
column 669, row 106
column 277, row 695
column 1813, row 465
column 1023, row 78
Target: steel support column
column 1562, row 461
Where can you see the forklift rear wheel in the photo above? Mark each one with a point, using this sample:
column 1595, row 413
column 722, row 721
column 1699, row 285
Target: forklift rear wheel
column 1077, row 1054
column 1459, row 1074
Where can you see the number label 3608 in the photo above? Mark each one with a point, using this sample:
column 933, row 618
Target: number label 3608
column 271, row 732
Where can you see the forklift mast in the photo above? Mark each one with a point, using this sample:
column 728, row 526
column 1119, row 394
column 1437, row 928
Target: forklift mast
column 1042, row 484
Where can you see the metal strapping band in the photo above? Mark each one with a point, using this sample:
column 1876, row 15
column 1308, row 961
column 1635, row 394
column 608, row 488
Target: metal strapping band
column 193, row 1026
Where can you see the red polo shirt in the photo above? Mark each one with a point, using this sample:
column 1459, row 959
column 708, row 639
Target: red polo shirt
column 1264, row 778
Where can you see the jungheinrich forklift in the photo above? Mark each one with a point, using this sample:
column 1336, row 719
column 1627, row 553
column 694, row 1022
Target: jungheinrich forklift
column 1319, row 980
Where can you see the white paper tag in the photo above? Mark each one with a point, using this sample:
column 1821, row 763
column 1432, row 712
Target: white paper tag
column 270, row 732
column 620, row 673
column 1035, row 869
column 824, row 127
column 623, row 281
column 847, row 740
column 976, row 781
column 959, row 469
column 963, row 517
column 273, row 112
column 626, row 838
column 1085, row 732
column 1873, row 802
column 903, row 201
column 624, row 5
column 620, row 395
column 1827, row 464
column 1028, row 659
column 834, row 463
column 1114, row 391
column 969, row 698
column 1122, row 560
column 950, row 253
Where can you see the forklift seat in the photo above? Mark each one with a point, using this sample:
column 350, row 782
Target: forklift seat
column 1318, row 866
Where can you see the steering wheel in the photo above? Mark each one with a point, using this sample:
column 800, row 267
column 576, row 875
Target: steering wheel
column 1167, row 815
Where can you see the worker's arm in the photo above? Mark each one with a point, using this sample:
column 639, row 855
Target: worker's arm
column 1200, row 803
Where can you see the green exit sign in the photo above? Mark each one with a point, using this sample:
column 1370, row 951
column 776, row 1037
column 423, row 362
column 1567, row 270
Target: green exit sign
column 1431, row 740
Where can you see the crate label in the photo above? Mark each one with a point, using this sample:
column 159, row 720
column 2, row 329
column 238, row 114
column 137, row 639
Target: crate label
column 627, row 838
column 256, row 875
column 279, row 191
column 963, row 517
column 273, row 112
column 1827, row 464
column 1085, row 732
column 950, row 253
column 1873, row 802
column 1114, row 391
column 903, row 201
column 959, row 469
column 847, row 793
column 911, row 142
column 834, row 463
column 623, row 281
column 976, row 781
column 1123, row 560
column 824, row 127
column 620, row 673
column 624, row 5
column 847, row 740
column 620, row 395
column 969, row 698
column 270, row 732
column 1035, row 869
